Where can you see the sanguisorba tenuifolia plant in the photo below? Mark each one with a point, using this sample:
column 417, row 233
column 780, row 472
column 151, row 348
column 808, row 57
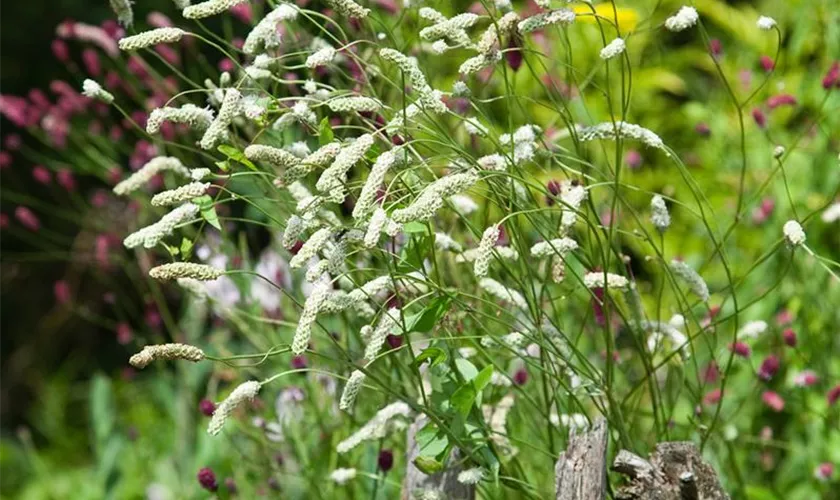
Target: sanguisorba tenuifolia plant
column 450, row 241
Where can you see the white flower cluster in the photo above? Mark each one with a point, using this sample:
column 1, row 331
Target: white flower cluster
column 386, row 325
column 275, row 156
column 264, row 34
column 320, row 58
column 485, row 251
column 432, row 197
column 794, row 234
column 471, row 476
column 320, row 158
column 167, row 352
column 343, row 476
column 150, row 236
column 659, row 331
column 311, row 308
column 685, row 18
column 558, row 246
column 151, row 38
column 93, row 90
column 209, row 8
column 765, row 23
column 375, row 226
column 334, row 178
column 543, row 19
column 693, row 280
column 218, row 128
column 190, row 114
column 502, row 252
column 524, row 142
column 659, row 216
column 175, row 270
column 445, row 242
column 180, row 194
column 502, row 292
column 572, row 196
column 366, row 198
column 452, row 29
column 145, row 173
column 349, row 8
column 244, row 392
column 430, row 99
column 613, row 49
column 354, row 104
column 312, row 247
column 610, row 131
column 300, row 112
column 122, row 8
column 752, row 330
column 595, row 279
column 387, row 419
column 351, row 390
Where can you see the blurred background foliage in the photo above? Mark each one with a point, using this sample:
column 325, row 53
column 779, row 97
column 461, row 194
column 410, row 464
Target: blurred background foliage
column 76, row 424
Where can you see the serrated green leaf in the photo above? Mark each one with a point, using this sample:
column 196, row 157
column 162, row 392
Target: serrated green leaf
column 209, row 215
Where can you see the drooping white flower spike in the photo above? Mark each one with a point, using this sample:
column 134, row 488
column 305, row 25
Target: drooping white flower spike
column 151, row 38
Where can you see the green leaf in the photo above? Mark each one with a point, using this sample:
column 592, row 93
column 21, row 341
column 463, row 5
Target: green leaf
column 428, row 465
column 224, row 166
column 467, row 369
column 463, row 399
column 325, row 132
column 435, row 354
column 430, row 441
column 414, row 227
column 483, row 378
column 426, row 319
column 186, row 248
column 173, row 251
column 236, row 155
column 209, row 214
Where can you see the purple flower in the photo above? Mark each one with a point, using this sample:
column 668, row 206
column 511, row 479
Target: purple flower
column 207, row 479
column 386, row 460
column 769, row 367
column 207, row 407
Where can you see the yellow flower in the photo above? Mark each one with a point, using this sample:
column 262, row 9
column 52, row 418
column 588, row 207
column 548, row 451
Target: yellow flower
column 627, row 18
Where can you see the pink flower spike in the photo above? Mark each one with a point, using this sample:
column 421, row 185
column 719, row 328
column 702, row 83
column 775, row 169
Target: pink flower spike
column 781, row 100
column 41, row 175
column 60, row 50
column 833, row 395
column 91, row 59
column 158, row 20
column 832, row 78
column 27, row 218
column 61, row 289
column 773, row 401
column 767, row 63
column 789, row 337
column 806, row 378
column 712, row 397
column 824, row 471
column 65, row 179
column 124, row 333
column 740, row 349
column 759, row 117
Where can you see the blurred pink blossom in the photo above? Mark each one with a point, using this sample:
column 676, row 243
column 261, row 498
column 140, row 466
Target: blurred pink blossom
column 773, row 401
column 27, row 218
column 61, row 289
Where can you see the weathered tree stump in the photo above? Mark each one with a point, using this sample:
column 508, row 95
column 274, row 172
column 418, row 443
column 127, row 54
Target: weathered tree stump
column 676, row 471
column 445, row 483
column 581, row 471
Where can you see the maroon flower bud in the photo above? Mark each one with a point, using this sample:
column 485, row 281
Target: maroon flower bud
column 514, row 53
column 833, row 395
column 711, row 373
column 767, row 63
column 207, row 479
column 230, row 484
column 715, row 47
column 712, row 397
column 740, row 349
column 769, row 367
column 520, row 377
column 790, row 337
column 759, row 117
column 296, row 247
column 385, row 460
column 554, row 188
column 633, row 159
column 703, row 129
column 299, row 362
column 832, row 78
column 206, row 407
column 394, row 341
